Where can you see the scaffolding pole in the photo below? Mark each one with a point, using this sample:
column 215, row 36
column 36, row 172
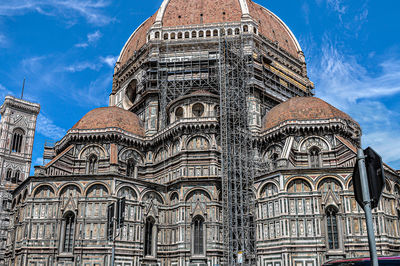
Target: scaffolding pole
column 237, row 168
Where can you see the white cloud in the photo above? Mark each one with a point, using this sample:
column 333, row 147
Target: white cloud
column 91, row 10
column 38, row 161
column 109, row 60
column 81, row 66
column 46, row 127
column 346, row 84
column 92, row 38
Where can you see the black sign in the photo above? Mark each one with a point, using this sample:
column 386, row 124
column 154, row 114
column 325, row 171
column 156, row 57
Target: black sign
column 376, row 178
column 110, row 222
column 120, row 212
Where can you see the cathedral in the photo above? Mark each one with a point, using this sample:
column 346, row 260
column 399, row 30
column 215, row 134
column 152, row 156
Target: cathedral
column 185, row 78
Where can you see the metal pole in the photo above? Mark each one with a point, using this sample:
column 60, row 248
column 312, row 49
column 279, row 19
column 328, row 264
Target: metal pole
column 367, row 206
column 113, row 247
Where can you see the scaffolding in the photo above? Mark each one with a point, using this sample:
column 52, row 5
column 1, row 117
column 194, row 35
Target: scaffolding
column 237, row 153
column 232, row 68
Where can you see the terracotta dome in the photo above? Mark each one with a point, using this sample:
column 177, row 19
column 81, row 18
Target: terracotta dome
column 177, row 13
column 302, row 109
column 107, row 117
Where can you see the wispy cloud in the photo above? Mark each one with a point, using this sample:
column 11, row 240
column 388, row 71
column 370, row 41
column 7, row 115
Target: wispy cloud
column 345, row 83
column 109, row 60
column 97, row 65
column 81, row 66
column 96, row 93
column 46, row 127
column 92, row 38
column 3, row 40
column 91, row 10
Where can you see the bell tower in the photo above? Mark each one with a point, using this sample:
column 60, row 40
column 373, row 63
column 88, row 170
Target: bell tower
column 17, row 131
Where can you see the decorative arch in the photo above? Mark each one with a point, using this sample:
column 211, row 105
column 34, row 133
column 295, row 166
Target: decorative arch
column 269, row 189
column 198, row 194
column 314, row 141
column 198, row 143
column 176, row 147
column 325, row 179
column 127, row 192
column 92, row 149
column 70, row 187
column 299, row 184
column 305, row 178
column 349, row 184
column 127, row 153
column 161, row 155
column 174, row 198
column 151, row 194
column 97, row 190
column 44, row 191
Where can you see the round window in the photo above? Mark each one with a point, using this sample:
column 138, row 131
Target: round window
column 198, row 109
column 179, row 113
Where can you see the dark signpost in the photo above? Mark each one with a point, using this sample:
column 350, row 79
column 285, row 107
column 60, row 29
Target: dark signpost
column 368, row 182
column 115, row 220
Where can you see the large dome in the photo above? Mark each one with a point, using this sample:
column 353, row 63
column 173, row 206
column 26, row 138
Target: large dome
column 181, row 13
column 111, row 117
column 303, row 109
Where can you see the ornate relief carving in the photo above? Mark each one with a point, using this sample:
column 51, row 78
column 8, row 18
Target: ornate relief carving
column 314, row 142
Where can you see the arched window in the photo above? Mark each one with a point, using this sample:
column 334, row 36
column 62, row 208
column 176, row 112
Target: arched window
column 201, row 33
column 299, row 185
column 179, row 113
column 215, row 33
column 198, row 235
column 149, row 237
column 131, row 168
column 69, row 230
column 92, row 164
column 16, row 143
column 230, row 32
column 314, row 155
column 9, row 174
column 187, row 35
column 16, row 177
column 245, row 28
column 157, row 35
column 194, row 34
column 332, row 228
column 180, row 35
column 165, row 36
column 208, row 33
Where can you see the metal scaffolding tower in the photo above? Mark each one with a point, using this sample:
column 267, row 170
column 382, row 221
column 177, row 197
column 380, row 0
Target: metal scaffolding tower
column 237, row 153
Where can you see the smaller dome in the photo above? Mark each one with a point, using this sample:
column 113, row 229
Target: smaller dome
column 302, row 109
column 108, row 117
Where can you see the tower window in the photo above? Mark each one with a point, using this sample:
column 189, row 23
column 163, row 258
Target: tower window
column 17, row 141
column 157, row 35
column 331, row 222
column 314, row 156
column 245, row 28
column 92, row 164
column 16, row 177
column 9, row 174
column 198, row 109
column 148, row 237
column 198, row 235
column 69, row 229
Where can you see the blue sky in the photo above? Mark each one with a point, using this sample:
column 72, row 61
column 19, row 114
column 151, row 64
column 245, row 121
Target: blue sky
column 66, row 49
